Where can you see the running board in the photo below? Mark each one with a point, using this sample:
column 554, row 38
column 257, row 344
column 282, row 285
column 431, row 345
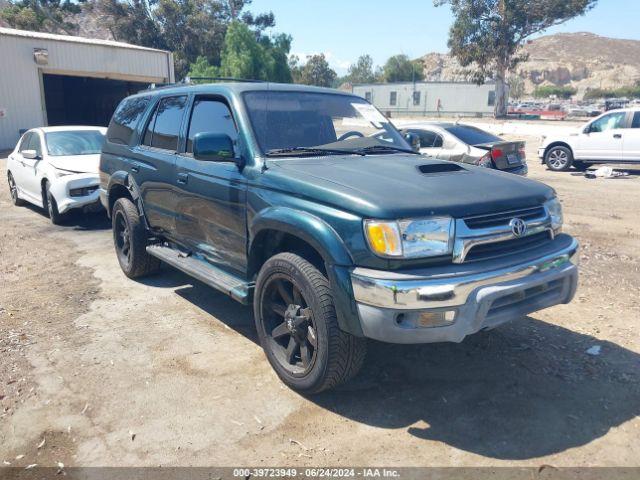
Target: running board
column 215, row 277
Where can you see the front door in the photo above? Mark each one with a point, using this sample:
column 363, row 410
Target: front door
column 211, row 201
column 30, row 180
column 602, row 139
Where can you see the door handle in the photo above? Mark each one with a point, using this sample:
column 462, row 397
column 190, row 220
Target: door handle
column 617, row 135
column 183, row 178
column 135, row 168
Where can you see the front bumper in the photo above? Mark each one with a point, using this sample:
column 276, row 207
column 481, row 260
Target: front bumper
column 389, row 304
column 541, row 151
column 61, row 187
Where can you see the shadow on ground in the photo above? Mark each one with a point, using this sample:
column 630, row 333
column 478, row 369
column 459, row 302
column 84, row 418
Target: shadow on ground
column 76, row 220
column 522, row 391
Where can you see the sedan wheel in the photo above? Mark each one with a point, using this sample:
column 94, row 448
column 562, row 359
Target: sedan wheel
column 13, row 191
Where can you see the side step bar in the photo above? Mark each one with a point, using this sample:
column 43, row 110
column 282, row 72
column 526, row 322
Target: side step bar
column 215, row 277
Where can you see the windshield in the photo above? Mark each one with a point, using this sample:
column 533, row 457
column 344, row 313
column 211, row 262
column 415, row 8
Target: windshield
column 299, row 123
column 82, row 142
column 472, row 135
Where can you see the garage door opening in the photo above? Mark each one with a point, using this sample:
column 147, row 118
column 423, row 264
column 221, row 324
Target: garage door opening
column 73, row 100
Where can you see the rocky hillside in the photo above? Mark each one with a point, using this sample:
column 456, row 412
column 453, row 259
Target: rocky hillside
column 580, row 60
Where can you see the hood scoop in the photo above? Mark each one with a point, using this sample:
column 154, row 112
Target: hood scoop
column 437, row 168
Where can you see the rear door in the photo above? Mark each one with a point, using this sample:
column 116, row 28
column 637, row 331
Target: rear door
column 153, row 165
column 211, row 200
column 631, row 140
column 602, row 139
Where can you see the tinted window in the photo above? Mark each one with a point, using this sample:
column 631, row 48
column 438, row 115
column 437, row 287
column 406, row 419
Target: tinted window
column 86, row 142
column 210, row 115
column 393, row 96
column 472, row 135
column 164, row 128
column 428, row 139
column 125, row 119
column 636, row 120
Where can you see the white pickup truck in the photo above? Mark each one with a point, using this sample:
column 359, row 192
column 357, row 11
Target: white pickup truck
column 613, row 137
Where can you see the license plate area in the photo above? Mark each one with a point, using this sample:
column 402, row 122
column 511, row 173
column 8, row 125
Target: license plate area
column 513, row 158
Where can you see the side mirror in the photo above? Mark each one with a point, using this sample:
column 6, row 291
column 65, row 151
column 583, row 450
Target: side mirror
column 413, row 140
column 587, row 129
column 213, row 147
column 30, row 154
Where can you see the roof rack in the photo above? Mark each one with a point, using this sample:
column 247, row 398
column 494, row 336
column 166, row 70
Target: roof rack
column 222, row 79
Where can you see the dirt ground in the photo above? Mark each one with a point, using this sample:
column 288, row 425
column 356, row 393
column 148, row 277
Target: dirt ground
column 100, row 370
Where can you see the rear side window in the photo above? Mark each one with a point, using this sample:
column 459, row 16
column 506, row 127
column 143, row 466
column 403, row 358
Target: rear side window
column 125, row 119
column 472, row 135
column 163, row 130
column 636, row 120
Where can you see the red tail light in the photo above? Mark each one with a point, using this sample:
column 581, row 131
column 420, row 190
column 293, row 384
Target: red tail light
column 496, row 153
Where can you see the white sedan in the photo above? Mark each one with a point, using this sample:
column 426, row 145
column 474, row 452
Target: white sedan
column 56, row 168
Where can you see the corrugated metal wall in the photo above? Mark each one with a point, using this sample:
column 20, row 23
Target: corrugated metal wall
column 454, row 98
column 20, row 90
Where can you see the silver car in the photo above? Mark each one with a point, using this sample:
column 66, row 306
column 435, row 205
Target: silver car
column 458, row 142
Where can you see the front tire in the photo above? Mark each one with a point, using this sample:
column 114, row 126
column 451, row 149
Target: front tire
column 51, row 205
column 13, row 191
column 559, row 159
column 130, row 240
column 298, row 329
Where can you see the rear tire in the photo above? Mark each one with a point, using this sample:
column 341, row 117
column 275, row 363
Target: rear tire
column 51, row 205
column 13, row 191
column 559, row 159
column 130, row 240
column 298, row 329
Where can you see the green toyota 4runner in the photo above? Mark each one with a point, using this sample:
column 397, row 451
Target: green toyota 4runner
column 308, row 204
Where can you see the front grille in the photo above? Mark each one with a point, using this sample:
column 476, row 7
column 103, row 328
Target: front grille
column 486, row 251
column 503, row 218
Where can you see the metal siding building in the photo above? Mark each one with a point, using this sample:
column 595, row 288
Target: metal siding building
column 56, row 79
column 423, row 98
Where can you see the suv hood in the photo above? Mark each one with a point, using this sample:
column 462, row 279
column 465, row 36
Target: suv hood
column 77, row 163
column 403, row 186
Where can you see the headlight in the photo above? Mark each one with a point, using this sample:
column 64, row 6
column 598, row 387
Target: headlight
column 555, row 212
column 427, row 237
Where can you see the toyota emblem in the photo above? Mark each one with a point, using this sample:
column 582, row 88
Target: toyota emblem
column 518, row 227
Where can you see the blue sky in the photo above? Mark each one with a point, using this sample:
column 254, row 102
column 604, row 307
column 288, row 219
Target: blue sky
column 345, row 29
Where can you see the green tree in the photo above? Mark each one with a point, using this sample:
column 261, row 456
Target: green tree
column 244, row 56
column 554, row 91
column 189, row 28
column 52, row 16
column 316, row 72
column 486, row 34
column 400, row 68
column 361, row 71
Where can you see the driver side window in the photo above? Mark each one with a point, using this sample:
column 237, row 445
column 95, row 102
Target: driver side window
column 34, row 144
column 608, row 122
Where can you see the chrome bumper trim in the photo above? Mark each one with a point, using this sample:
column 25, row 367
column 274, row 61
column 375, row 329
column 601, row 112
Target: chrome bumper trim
column 380, row 289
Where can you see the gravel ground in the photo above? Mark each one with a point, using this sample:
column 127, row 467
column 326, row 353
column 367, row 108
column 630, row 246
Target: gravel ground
column 101, row 370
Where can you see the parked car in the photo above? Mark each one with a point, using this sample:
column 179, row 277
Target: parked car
column 468, row 144
column 281, row 196
column 56, row 168
column 613, row 137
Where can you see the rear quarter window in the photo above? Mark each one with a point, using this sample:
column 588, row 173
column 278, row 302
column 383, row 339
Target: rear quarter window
column 125, row 119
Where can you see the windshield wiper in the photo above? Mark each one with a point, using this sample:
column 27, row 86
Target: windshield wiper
column 312, row 150
column 383, row 148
